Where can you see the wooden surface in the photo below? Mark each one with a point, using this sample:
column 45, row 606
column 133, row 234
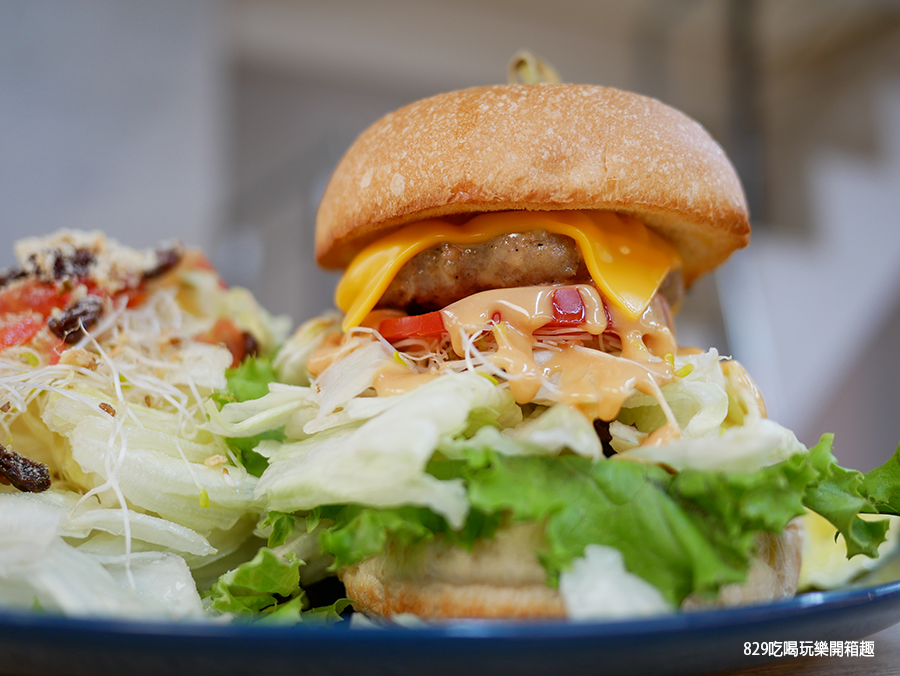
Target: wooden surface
column 886, row 660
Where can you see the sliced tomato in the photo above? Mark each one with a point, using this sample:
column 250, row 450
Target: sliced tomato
column 224, row 332
column 32, row 296
column 415, row 326
column 18, row 332
column 136, row 297
column 568, row 307
column 568, row 310
column 56, row 351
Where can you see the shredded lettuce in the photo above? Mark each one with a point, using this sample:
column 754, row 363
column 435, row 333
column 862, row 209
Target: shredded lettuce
column 282, row 526
column 259, row 585
column 37, row 566
column 736, row 449
column 598, row 586
column 90, row 517
column 550, row 431
column 699, row 399
column 381, row 461
column 165, row 485
column 249, row 380
column 295, row 353
column 142, row 494
column 355, row 533
column 348, row 378
column 261, row 418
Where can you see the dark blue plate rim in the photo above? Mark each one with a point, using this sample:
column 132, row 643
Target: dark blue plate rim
column 800, row 606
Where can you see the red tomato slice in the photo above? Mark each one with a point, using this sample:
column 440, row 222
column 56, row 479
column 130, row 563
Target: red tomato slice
column 32, row 296
column 18, row 333
column 415, row 326
column 56, row 352
column 225, row 333
column 568, row 307
column 568, row 310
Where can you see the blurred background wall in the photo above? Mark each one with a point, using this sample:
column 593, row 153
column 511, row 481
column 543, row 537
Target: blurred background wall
column 219, row 121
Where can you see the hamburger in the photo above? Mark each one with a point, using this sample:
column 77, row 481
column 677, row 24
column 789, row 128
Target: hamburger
column 501, row 423
column 504, row 209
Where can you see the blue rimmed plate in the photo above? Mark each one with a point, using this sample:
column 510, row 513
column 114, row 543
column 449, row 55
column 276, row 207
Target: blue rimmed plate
column 682, row 643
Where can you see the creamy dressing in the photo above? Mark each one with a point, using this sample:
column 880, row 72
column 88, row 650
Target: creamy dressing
column 528, row 308
column 335, row 347
column 512, row 316
column 598, row 383
column 397, row 378
column 647, row 338
column 507, row 328
column 590, row 379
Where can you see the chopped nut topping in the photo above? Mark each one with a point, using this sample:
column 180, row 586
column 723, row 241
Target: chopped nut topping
column 77, row 356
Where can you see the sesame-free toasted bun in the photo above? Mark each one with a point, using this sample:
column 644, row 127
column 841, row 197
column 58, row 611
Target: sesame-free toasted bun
column 536, row 147
column 501, row 578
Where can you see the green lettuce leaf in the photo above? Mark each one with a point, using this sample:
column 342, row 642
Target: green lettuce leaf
column 883, row 485
column 318, row 615
column 260, row 585
column 840, row 495
column 267, row 589
column 360, row 532
column 282, row 527
column 250, row 380
column 736, row 507
column 689, row 532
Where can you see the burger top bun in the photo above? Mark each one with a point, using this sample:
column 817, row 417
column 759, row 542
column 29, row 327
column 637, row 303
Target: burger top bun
column 537, row 147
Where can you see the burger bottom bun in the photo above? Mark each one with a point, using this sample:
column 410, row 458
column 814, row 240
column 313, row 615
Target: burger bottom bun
column 502, row 578
column 774, row 572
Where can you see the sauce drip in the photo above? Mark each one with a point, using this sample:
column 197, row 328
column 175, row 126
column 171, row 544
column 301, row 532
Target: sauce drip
column 559, row 367
column 594, row 367
column 396, row 378
column 334, row 348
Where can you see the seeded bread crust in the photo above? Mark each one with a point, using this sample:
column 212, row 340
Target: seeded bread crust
column 536, row 147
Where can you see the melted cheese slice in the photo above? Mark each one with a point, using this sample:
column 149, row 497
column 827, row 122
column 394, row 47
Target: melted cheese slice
column 626, row 260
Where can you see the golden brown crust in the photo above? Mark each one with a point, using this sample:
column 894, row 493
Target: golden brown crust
column 499, row 578
column 375, row 594
column 536, row 147
column 503, row 579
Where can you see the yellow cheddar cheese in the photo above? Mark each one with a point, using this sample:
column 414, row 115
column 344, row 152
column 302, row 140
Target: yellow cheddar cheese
column 626, row 260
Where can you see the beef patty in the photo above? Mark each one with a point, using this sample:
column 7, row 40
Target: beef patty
column 447, row 272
